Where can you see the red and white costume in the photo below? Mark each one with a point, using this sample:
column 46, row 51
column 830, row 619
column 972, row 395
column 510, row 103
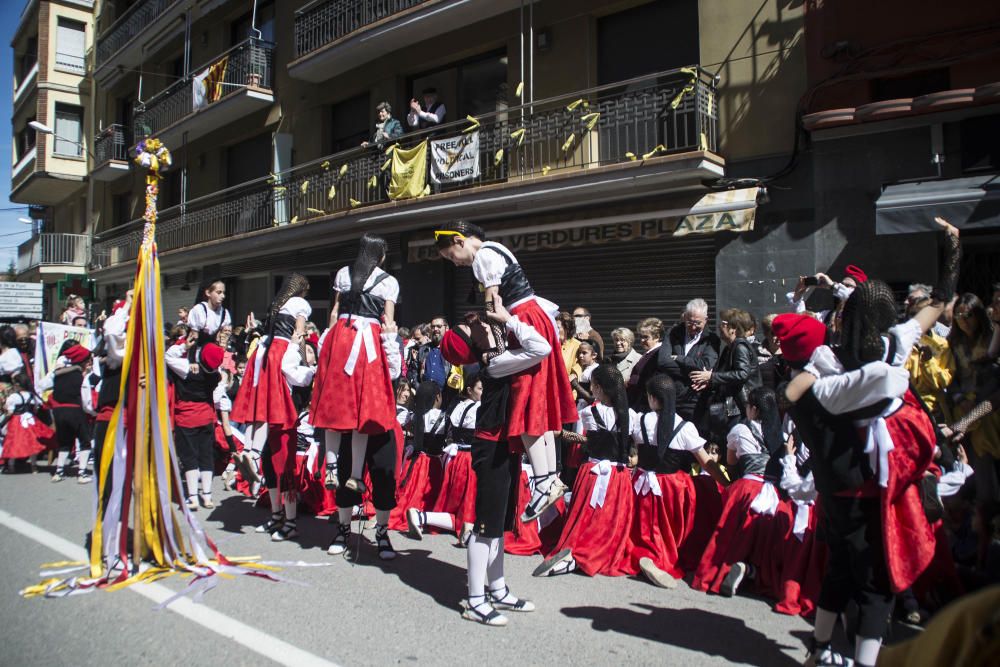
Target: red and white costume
column 26, row 435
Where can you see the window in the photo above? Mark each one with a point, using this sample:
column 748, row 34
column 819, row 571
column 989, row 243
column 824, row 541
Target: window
column 240, row 30
column 471, row 87
column 69, row 130
column 352, row 123
column 70, row 45
column 27, row 61
column 25, row 139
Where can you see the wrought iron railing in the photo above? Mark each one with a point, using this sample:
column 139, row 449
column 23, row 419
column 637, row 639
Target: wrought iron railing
column 129, row 25
column 111, row 144
column 670, row 112
column 324, row 21
column 53, row 250
column 248, row 64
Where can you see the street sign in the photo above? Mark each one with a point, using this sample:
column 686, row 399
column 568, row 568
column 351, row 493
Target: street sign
column 21, row 300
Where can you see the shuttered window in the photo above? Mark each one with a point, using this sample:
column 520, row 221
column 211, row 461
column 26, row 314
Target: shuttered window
column 71, row 45
column 69, row 130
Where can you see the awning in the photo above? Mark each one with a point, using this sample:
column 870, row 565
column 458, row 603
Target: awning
column 967, row 203
column 687, row 213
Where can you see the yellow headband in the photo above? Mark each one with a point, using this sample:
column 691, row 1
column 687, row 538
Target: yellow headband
column 447, row 232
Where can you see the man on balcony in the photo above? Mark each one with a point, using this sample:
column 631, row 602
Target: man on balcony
column 430, row 114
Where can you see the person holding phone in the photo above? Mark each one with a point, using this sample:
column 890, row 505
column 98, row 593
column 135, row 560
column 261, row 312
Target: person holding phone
column 853, row 277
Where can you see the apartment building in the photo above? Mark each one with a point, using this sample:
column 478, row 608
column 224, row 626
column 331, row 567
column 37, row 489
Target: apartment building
column 50, row 167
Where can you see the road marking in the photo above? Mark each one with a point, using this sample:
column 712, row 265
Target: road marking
column 254, row 639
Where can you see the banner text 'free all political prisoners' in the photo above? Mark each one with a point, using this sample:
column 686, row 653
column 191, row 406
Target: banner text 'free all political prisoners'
column 456, row 159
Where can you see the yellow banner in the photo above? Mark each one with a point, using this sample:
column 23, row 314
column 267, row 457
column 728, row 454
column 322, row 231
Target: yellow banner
column 409, row 172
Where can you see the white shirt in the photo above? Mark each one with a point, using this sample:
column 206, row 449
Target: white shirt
column 951, row 482
column 588, row 423
column 431, row 420
column 742, row 441
column 470, row 418
column 11, row 362
column 686, row 440
column 296, row 375
column 414, row 117
column 403, row 415
column 221, row 397
column 533, row 349
column 585, row 377
column 488, row 267
column 14, row 401
column 691, row 342
column 800, row 489
column 114, row 337
column 388, row 289
column 203, row 318
column 296, row 307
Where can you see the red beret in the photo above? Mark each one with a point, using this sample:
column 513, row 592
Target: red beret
column 118, row 305
column 456, row 348
column 77, row 354
column 856, row 273
column 313, row 338
column 799, row 336
column 212, row 356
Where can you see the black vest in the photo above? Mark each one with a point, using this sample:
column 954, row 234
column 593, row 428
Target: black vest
column 204, row 337
column 667, row 463
column 196, row 387
column 66, row 387
column 514, row 285
column 463, row 436
column 283, row 325
column 110, row 386
column 603, row 443
column 364, row 303
column 424, row 124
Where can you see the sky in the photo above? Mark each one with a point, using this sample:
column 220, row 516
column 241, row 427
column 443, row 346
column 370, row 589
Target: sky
column 12, row 232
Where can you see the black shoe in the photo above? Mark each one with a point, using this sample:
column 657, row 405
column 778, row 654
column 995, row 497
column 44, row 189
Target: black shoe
column 385, row 550
column 733, row 580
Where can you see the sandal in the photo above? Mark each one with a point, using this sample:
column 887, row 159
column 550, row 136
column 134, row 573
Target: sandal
column 330, row 481
column 206, row 500
column 472, row 613
column 539, row 502
column 385, row 550
column 272, row 524
column 339, row 544
column 552, row 562
column 518, row 605
column 287, row 531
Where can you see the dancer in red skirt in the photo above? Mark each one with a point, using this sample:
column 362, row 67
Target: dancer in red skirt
column 423, row 474
column 741, row 545
column 594, row 539
column 541, row 398
column 264, row 400
column 665, row 493
column 26, row 436
column 455, row 506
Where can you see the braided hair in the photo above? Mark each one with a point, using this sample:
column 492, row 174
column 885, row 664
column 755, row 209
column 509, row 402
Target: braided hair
column 294, row 284
column 766, row 402
column 370, row 254
column 461, row 227
column 870, row 311
column 610, row 380
column 661, row 387
column 427, row 394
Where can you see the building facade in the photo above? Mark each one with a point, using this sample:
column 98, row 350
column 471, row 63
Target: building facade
column 50, row 170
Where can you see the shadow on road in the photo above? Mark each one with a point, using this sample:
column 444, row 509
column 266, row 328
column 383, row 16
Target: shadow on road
column 694, row 629
column 442, row 582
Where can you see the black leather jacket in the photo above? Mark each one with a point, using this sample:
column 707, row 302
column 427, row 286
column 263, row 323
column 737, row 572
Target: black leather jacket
column 736, row 373
column 704, row 355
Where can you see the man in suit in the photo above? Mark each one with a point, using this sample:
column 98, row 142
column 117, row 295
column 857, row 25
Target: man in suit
column 690, row 347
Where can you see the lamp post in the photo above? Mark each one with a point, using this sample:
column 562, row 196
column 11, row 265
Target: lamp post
column 42, row 128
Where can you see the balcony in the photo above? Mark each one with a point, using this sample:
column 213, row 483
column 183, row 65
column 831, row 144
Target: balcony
column 53, row 253
column 230, row 86
column 334, row 36
column 26, row 84
column 110, row 154
column 120, row 47
column 653, row 135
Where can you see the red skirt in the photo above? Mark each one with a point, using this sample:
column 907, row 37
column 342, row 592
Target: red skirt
column 661, row 523
column 803, row 563
column 270, row 401
column 540, row 398
column 419, row 487
column 24, row 441
column 458, row 490
column 598, row 536
column 740, row 536
column 362, row 401
column 707, row 510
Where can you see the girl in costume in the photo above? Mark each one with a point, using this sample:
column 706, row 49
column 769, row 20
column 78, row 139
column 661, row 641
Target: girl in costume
column 423, row 474
column 541, row 398
column 264, row 400
column 353, row 389
column 594, row 539
column 208, row 315
column 26, row 436
column 665, row 492
column 455, row 507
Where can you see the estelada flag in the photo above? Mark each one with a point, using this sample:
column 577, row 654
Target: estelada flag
column 409, row 171
column 207, row 84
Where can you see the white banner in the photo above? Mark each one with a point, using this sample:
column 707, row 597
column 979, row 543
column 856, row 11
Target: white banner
column 21, row 300
column 456, row 159
column 49, row 340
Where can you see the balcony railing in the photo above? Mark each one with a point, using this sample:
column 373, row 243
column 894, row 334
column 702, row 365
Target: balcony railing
column 324, row 21
column 53, row 250
column 127, row 27
column 110, row 144
column 670, row 112
column 249, row 63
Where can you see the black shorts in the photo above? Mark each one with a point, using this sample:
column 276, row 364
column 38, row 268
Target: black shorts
column 195, row 447
column 498, row 472
column 380, row 459
column 71, row 424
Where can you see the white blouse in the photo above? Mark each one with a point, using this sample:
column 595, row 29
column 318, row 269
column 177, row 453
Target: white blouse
column 687, row 439
column 388, row 289
column 488, row 267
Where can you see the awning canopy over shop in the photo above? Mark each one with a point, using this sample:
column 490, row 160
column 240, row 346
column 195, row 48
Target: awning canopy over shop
column 729, row 211
column 967, row 203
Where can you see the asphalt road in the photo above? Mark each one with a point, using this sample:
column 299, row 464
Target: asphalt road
column 364, row 612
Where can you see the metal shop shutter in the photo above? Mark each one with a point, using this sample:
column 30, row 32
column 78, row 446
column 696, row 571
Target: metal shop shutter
column 173, row 298
column 619, row 283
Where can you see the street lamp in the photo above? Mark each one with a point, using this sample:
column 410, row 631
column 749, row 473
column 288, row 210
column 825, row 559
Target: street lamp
column 26, row 221
column 42, row 128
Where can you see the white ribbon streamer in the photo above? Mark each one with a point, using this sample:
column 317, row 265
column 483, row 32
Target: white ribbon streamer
column 646, row 482
column 603, row 470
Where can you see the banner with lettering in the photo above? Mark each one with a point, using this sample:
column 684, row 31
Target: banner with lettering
column 456, row 159
column 49, row 340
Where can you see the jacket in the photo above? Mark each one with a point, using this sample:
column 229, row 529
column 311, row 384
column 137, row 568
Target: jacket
column 679, row 365
column 736, row 373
